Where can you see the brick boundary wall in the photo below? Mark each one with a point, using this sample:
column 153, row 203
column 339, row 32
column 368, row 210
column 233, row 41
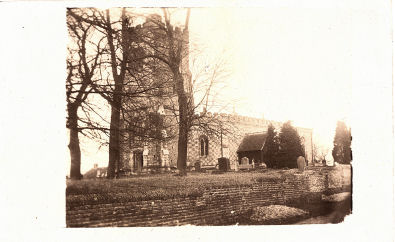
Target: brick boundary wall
column 216, row 206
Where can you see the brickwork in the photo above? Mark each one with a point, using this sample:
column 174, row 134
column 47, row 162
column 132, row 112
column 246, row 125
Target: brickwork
column 216, row 206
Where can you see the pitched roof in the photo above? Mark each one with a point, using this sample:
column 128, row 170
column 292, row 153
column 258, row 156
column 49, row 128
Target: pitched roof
column 92, row 173
column 252, row 142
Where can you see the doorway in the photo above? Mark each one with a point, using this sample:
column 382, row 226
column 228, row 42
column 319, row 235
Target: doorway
column 137, row 161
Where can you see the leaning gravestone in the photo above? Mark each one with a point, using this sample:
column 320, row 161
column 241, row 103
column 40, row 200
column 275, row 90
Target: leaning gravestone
column 301, row 163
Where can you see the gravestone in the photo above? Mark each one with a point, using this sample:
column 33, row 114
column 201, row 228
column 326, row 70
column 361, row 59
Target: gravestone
column 197, row 165
column 223, row 164
column 97, row 173
column 244, row 161
column 145, row 156
column 245, row 164
column 236, row 165
column 301, row 163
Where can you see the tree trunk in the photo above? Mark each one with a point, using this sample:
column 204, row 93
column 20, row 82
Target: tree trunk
column 114, row 146
column 182, row 129
column 182, row 149
column 114, row 154
column 74, row 144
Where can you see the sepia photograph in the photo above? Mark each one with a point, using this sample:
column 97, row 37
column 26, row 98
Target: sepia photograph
column 197, row 120
column 228, row 121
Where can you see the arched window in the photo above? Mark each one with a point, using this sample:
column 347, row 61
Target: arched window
column 203, row 145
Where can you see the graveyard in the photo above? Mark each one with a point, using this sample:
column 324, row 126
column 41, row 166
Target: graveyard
column 188, row 138
column 284, row 196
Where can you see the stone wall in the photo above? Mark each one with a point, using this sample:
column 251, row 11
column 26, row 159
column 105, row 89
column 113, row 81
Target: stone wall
column 242, row 126
column 218, row 206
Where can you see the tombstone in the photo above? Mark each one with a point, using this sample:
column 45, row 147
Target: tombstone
column 197, row 165
column 145, row 156
column 245, row 164
column 165, row 158
column 301, row 163
column 223, row 164
column 244, row 161
column 236, row 165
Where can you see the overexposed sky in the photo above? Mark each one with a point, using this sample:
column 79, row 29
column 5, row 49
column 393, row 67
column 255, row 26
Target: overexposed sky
column 287, row 63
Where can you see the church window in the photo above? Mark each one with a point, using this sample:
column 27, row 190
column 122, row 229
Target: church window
column 203, row 145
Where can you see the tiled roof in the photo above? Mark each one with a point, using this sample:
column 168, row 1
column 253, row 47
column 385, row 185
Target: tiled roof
column 252, row 142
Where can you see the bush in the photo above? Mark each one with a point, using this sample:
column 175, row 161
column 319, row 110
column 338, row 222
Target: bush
column 290, row 146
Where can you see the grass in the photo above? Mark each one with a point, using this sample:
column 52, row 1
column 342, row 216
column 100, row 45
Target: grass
column 170, row 181
column 161, row 186
column 165, row 186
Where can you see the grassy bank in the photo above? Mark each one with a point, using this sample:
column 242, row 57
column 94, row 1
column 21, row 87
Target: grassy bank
column 161, row 186
column 165, row 186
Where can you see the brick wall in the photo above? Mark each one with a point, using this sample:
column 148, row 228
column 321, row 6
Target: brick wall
column 218, row 206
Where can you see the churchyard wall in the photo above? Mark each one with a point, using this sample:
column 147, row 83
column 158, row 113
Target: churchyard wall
column 216, row 206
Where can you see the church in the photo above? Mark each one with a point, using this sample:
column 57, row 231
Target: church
column 139, row 154
column 247, row 140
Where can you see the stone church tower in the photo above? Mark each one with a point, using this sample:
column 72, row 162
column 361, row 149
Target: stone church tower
column 146, row 153
column 140, row 153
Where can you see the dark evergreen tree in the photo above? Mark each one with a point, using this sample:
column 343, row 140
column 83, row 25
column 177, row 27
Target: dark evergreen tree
column 342, row 144
column 271, row 147
column 290, row 146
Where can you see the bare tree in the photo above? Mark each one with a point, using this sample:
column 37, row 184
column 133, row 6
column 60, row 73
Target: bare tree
column 320, row 152
column 81, row 67
column 323, row 153
column 125, row 78
column 142, row 67
column 315, row 153
column 170, row 45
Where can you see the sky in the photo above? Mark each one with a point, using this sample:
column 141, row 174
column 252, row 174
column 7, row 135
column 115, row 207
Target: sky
column 283, row 63
column 287, row 64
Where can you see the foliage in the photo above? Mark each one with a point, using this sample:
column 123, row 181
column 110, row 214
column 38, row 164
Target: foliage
column 290, row 146
column 271, row 147
column 342, row 144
